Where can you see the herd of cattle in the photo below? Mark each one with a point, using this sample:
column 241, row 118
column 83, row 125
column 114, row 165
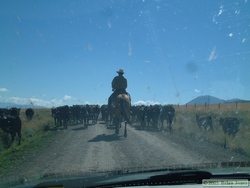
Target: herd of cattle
column 146, row 115
column 76, row 114
column 153, row 116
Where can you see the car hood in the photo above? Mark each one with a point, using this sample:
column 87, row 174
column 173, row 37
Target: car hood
column 192, row 173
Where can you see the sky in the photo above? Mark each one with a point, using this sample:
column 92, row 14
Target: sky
column 63, row 52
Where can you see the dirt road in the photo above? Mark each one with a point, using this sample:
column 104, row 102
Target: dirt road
column 95, row 148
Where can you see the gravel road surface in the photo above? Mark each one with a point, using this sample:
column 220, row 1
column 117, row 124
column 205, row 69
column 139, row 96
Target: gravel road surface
column 96, row 149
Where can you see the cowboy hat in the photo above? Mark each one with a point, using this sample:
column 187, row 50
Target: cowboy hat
column 120, row 71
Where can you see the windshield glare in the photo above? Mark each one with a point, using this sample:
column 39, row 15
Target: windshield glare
column 97, row 86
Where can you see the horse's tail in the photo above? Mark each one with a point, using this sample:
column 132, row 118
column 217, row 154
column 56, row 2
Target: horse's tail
column 125, row 110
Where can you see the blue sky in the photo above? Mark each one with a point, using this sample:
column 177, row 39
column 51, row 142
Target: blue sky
column 67, row 52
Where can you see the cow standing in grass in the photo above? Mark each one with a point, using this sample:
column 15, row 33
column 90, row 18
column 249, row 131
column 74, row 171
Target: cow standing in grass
column 11, row 123
column 29, row 113
column 204, row 121
column 168, row 114
column 230, row 125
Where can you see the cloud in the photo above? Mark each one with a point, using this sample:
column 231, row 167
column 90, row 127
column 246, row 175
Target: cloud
column 30, row 101
column 147, row 103
column 39, row 102
column 3, row 89
column 196, row 90
column 67, row 98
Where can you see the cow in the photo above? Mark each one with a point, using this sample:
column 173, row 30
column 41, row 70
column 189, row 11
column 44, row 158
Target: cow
column 15, row 111
column 153, row 114
column 230, row 125
column 136, row 113
column 204, row 121
column 92, row 113
column 11, row 123
column 61, row 115
column 4, row 112
column 105, row 113
column 143, row 115
column 77, row 113
column 29, row 113
column 54, row 115
column 168, row 113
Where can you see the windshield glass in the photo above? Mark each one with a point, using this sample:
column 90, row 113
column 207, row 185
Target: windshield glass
column 100, row 85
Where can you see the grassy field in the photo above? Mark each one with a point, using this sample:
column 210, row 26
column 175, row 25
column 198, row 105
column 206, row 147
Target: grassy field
column 185, row 124
column 34, row 136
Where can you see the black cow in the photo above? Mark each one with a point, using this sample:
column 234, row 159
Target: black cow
column 140, row 113
column 204, row 121
column 15, row 111
column 11, row 123
column 29, row 113
column 153, row 114
column 105, row 113
column 4, row 111
column 137, row 113
column 61, row 115
column 230, row 125
column 77, row 113
column 54, row 115
column 92, row 113
column 168, row 113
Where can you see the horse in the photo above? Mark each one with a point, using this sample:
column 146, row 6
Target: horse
column 120, row 110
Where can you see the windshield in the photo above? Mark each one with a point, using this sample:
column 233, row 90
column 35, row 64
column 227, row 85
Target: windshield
column 100, row 85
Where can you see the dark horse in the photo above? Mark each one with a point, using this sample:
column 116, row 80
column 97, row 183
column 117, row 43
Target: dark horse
column 120, row 110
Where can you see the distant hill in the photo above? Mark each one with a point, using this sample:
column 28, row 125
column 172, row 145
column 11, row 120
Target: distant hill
column 237, row 100
column 206, row 99
column 10, row 105
column 213, row 100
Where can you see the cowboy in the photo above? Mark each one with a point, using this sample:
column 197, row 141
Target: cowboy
column 119, row 85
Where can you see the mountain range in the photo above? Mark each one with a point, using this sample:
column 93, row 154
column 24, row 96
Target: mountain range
column 214, row 100
column 198, row 100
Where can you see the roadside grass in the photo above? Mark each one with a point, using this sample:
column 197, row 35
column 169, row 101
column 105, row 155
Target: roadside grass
column 35, row 135
column 185, row 125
